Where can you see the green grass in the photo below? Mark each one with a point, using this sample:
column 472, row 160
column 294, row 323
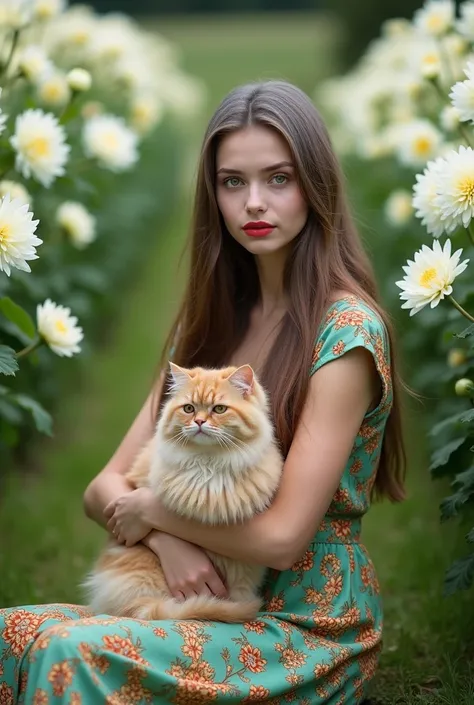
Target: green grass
column 47, row 544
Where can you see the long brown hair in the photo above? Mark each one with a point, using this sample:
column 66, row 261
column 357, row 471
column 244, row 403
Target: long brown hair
column 327, row 255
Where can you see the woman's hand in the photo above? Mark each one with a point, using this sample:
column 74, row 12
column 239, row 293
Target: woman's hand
column 187, row 568
column 126, row 516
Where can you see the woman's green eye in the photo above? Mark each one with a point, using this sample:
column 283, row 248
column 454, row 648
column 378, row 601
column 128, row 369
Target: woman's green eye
column 280, row 179
column 188, row 409
column 232, row 182
column 220, row 408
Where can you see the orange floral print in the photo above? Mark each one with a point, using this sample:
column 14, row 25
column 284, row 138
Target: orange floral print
column 20, row 628
column 60, row 675
column 276, row 604
column 252, row 659
column 120, row 645
column 6, row 694
column 338, row 348
column 305, row 563
column 158, row 631
column 257, row 693
column 256, row 626
column 40, row 697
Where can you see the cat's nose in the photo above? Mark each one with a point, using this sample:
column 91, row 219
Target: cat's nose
column 199, row 422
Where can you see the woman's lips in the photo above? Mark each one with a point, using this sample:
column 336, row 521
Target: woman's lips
column 260, row 229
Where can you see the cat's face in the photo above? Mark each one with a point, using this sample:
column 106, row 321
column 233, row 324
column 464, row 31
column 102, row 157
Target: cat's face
column 222, row 408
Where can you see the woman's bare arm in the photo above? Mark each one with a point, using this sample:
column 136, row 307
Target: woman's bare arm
column 110, row 483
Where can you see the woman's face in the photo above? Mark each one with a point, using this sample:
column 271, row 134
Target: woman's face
column 257, row 193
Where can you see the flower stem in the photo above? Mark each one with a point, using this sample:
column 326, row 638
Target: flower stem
column 16, row 35
column 29, row 348
column 461, row 309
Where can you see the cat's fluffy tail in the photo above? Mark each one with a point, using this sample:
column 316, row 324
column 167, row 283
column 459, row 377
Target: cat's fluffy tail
column 199, row 607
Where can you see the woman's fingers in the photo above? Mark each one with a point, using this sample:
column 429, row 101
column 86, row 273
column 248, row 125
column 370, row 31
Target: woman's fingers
column 216, row 586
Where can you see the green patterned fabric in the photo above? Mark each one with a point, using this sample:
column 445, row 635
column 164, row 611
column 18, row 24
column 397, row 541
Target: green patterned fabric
column 317, row 640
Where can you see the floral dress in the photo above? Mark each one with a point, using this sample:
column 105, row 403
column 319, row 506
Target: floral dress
column 316, row 640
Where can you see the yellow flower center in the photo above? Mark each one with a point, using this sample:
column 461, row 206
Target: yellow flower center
column 52, row 91
column 422, row 146
column 435, row 23
column 427, row 276
column 38, row 147
column 110, row 141
column 465, row 189
column 4, row 234
column 60, row 327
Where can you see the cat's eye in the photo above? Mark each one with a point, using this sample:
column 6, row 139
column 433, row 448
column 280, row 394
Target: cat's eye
column 188, row 409
column 220, row 408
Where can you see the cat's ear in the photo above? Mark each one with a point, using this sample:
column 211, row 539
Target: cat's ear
column 243, row 379
column 179, row 376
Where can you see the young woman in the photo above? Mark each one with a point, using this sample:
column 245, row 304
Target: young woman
column 278, row 279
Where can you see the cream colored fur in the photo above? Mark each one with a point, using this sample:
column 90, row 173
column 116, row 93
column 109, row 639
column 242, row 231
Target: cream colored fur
column 224, row 476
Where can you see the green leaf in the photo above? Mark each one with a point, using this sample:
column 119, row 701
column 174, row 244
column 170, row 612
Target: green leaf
column 18, row 316
column 442, row 455
column 8, row 362
column 43, row 420
column 460, row 575
column 10, row 412
column 445, row 423
column 470, row 536
column 466, row 332
column 467, row 416
column 451, row 505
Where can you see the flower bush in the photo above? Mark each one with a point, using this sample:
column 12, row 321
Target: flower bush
column 409, row 106
column 90, row 109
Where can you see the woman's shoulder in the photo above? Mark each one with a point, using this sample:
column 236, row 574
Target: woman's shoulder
column 347, row 302
column 349, row 321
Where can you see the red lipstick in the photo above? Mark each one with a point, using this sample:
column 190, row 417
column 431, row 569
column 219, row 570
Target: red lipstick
column 258, row 229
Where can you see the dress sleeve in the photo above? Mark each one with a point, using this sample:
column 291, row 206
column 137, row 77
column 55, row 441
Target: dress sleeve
column 351, row 324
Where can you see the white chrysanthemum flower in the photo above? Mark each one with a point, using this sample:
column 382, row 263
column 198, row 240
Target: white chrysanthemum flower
column 79, row 80
column 425, row 193
column 398, row 208
column 53, row 89
column 108, row 139
column 395, row 27
column 79, row 224
column 430, row 64
column 462, row 95
column 465, row 24
column 435, row 17
column 146, row 112
column 417, row 142
column 455, row 197
column 15, row 14
column 16, row 192
column 449, row 118
column 46, row 9
column 58, row 328
column 34, row 63
column 428, row 279
column 17, row 239
column 40, row 145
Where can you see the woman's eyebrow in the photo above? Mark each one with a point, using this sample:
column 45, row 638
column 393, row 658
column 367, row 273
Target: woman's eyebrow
column 279, row 165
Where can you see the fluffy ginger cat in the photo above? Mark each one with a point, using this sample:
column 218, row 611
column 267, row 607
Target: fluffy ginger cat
column 213, row 459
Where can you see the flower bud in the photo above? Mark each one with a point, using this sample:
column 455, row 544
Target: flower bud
column 456, row 357
column 79, row 80
column 464, row 387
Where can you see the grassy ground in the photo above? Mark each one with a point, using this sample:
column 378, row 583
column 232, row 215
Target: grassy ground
column 46, row 544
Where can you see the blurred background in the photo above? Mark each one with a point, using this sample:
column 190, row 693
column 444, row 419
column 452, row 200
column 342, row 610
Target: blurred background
column 46, row 544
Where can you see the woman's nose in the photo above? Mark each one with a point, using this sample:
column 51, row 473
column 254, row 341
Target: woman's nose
column 255, row 200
